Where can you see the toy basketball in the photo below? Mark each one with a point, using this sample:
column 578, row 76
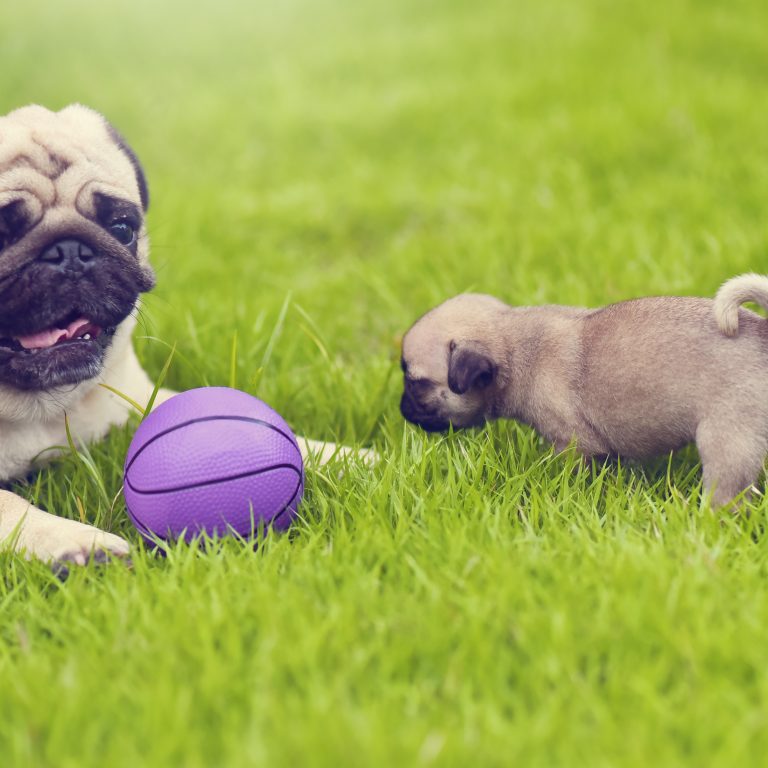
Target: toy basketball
column 212, row 461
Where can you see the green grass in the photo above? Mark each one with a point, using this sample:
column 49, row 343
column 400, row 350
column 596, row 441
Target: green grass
column 473, row 600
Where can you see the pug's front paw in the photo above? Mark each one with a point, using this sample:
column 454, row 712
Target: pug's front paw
column 34, row 533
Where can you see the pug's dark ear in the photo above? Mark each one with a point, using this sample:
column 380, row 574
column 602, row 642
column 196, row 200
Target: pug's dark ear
column 124, row 147
column 469, row 368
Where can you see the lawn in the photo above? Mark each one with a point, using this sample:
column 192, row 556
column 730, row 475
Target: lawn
column 321, row 173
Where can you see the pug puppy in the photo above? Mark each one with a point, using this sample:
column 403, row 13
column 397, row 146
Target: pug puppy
column 73, row 264
column 635, row 379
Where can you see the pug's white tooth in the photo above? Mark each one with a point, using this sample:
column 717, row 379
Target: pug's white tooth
column 87, row 337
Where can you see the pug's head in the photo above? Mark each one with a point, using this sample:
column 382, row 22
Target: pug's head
column 453, row 364
column 73, row 248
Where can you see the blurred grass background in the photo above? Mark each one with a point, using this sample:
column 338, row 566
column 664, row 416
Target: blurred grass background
column 321, row 173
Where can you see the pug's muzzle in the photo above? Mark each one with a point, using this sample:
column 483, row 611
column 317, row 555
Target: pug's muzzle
column 60, row 308
column 420, row 414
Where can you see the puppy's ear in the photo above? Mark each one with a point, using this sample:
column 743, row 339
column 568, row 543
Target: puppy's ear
column 141, row 179
column 469, row 368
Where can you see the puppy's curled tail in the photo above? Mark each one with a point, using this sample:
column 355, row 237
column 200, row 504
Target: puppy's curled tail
column 733, row 294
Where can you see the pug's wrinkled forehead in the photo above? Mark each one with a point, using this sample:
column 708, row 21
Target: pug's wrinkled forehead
column 466, row 317
column 65, row 160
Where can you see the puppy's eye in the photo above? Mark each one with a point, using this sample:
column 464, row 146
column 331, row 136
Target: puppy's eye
column 123, row 231
column 12, row 223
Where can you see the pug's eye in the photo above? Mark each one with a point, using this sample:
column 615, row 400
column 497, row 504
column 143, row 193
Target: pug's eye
column 123, row 231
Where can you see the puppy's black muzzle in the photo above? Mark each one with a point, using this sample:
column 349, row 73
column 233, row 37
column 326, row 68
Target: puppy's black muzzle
column 415, row 413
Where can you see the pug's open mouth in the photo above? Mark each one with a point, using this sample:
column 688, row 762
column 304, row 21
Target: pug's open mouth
column 67, row 352
column 74, row 329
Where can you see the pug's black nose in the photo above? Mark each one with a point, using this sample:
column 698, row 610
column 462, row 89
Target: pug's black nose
column 407, row 406
column 68, row 256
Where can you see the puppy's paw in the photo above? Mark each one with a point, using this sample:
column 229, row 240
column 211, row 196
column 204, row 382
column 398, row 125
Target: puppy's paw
column 55, row 539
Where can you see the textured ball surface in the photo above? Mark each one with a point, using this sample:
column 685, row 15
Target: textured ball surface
column 212, row 460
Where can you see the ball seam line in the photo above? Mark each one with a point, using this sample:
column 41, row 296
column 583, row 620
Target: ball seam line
column 289, row 503
column 150, row 535
column 203, row 483
column 248, row 419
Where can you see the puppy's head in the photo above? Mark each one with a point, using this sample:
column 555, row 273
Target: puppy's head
column 73, row 250
column 453, row 364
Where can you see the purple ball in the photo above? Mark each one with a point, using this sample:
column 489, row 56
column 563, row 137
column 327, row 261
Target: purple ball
column 215, row 461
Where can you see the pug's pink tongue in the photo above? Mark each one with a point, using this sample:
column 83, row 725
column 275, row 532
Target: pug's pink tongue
column 51, row 336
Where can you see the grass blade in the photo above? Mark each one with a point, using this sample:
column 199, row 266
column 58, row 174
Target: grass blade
column 125, row 397
column 159, row 382
column 233, row 363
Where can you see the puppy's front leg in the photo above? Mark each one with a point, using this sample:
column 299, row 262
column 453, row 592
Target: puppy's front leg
column 26, row 529
column 322, row 453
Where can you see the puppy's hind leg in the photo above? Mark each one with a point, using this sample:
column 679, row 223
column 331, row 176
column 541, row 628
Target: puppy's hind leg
column 732, row 458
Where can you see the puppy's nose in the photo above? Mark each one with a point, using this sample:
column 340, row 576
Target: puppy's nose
column 407, row 406
column 68, row 256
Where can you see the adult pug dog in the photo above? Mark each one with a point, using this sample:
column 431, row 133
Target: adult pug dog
column 73, row 263
column 636, row 379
